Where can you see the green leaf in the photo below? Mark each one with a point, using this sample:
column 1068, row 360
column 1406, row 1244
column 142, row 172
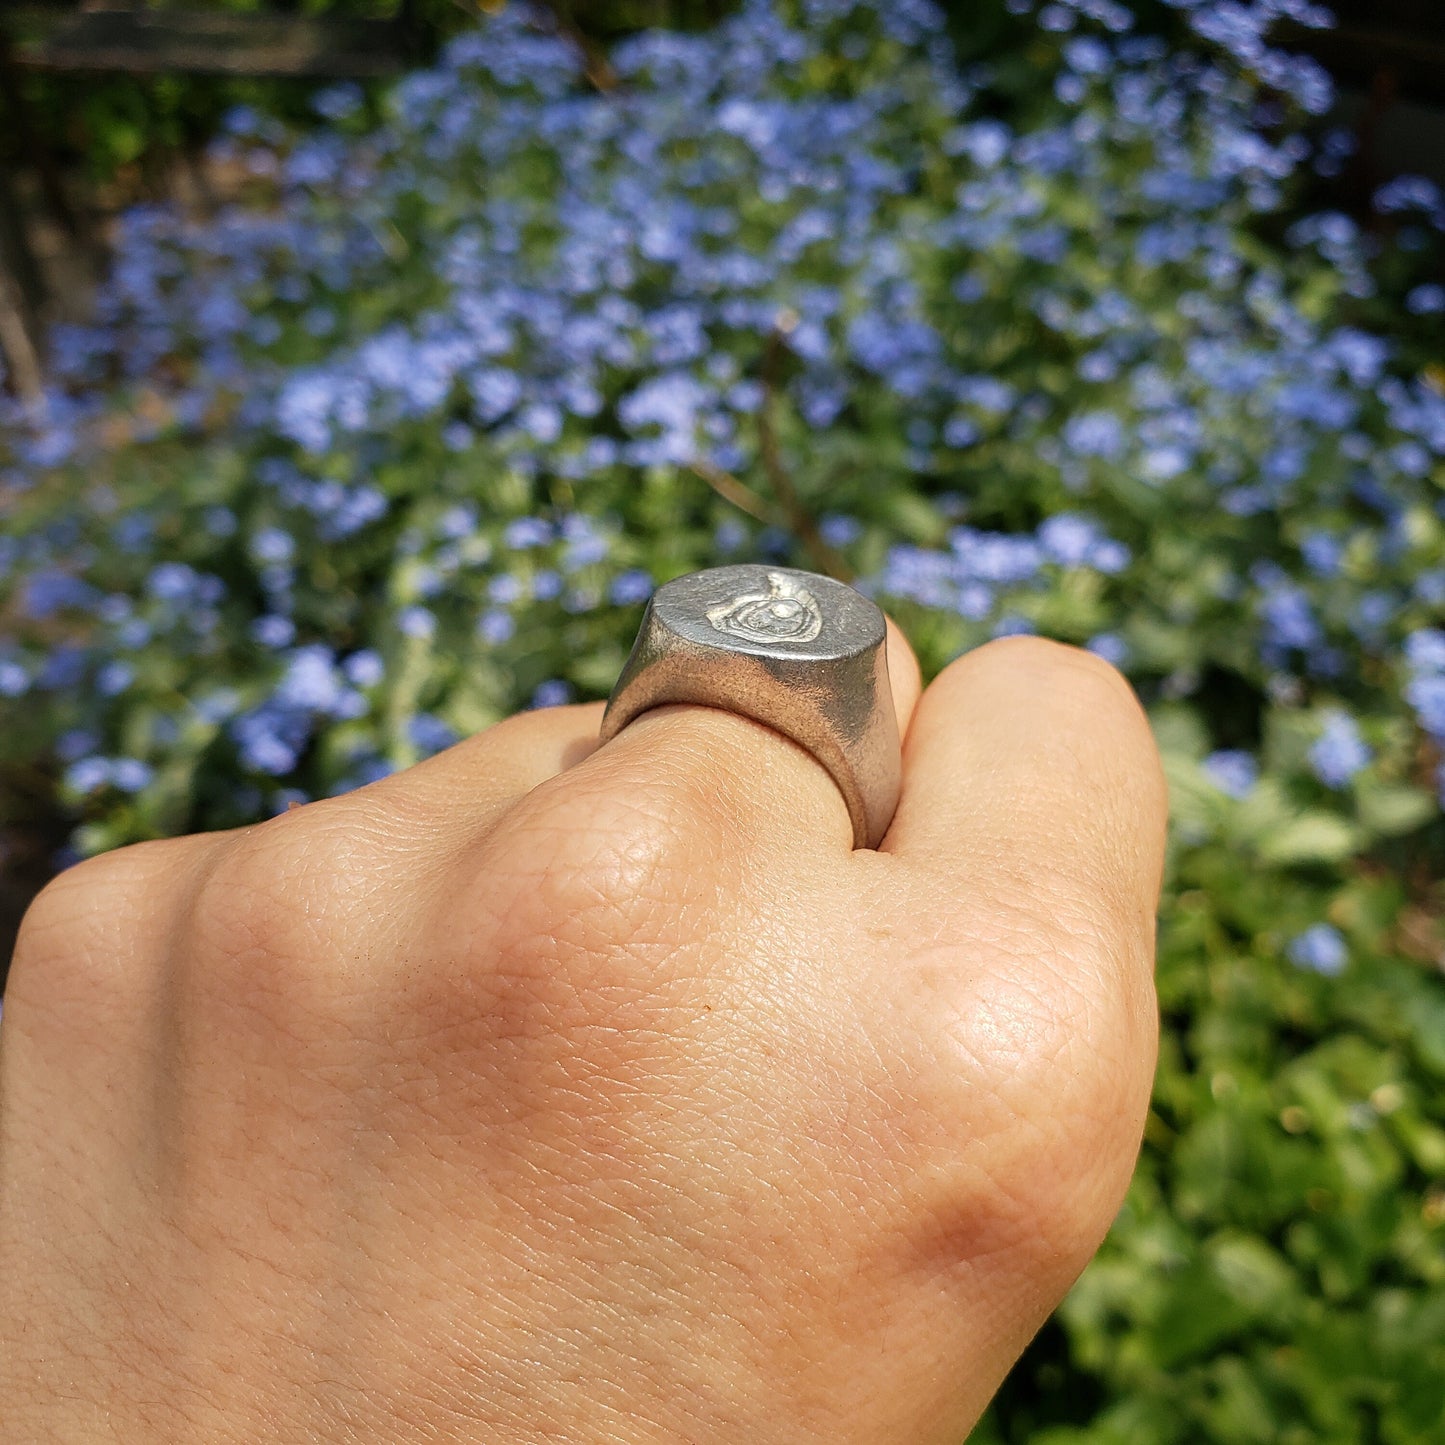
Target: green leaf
column 598, row 672
column 1313, row 837
column 1392, row 809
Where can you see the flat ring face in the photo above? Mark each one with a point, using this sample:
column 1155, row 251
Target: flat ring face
column 802, row 653
column 770, row 612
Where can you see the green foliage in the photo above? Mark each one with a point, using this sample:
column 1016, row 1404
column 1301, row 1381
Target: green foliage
column 1277, row 1273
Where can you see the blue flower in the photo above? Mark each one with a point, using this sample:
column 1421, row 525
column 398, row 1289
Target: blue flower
column 271, row 738
column 131, row 775
column 1288, row 618
column 1426, row 694
column 1073, row 540
column 429, row 734
column 242, row 120
column 987, row 393
column 356, row 509
column 1372, row 613
column 304, row 409
column 273, row 630
column 527, row 532
column 496, row 627
column 1099, row 366
column 1361, row 356
column 404, row 334
column 14, row 680
column 1426, row 300
column 171, row 581
column 505, row 589
column 63, row 668
column 457, row 522
column 134, row 531
column 494, row 393
column 986, row 142
column 337, row 102
column 1339, row 752
column 902, row 350
column 364, row 668
column 271, row 544
column 51, row 448
column 372, row 770
column 1322, row 552
column 427, row 581
column 1087, row 55
column 114, row 678
column 959, row 431
column 1425, row 650
column 1110, row 646
column 218, row 521
column 1095, row 434
column 546, row 584
column 542, row 421
column 634, row 585
column 1161, row 464
column 1405, row 193
column 310, row 680
column 88, row 774
column 729, row 535
column 416, row 621
column 1429, row 587
column 1321, row 949
column 50, row 591
column 552, row 693
column 1232, row 771
column 1012, row 625
column 672, row 403
column 76, row 743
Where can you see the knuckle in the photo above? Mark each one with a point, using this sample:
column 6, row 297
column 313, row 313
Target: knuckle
column 279, row 908
column 1031, row 1084
column 599, row 858
column 92, row 923
column 587, row 895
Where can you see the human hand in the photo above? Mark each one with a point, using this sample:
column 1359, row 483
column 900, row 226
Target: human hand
column 547, row 1092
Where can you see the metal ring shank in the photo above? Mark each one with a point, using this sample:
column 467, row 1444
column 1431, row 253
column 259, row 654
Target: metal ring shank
column 840, row 710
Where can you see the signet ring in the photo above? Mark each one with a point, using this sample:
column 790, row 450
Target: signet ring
column 796, row 651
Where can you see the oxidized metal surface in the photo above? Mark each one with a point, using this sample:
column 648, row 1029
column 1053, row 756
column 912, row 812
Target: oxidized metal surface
column 797, row 651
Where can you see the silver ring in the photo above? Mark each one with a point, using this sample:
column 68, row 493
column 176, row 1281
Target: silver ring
column 797, row 651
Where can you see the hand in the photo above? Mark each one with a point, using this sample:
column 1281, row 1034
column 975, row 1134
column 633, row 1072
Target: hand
column 545, row 1092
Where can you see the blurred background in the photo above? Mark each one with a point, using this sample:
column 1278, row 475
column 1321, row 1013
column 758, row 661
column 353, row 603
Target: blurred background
column 364, row 365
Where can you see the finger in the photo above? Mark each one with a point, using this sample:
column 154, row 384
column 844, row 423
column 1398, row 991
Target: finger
column 1030, row 769
column 1031, row 830
column 904, row 676
column 741, row 775
column 463, row 789
column 367, row 862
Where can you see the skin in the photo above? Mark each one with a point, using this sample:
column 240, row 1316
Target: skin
column 545, row 1092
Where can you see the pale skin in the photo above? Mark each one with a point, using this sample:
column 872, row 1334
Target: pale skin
column 546, row 1092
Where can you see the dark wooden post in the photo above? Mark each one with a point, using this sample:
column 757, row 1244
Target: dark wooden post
column 22, row 297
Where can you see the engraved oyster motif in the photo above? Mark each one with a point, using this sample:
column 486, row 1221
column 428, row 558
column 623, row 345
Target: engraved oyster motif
column 786, row 612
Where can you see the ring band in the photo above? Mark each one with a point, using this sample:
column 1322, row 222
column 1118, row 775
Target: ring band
column 799, row 652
